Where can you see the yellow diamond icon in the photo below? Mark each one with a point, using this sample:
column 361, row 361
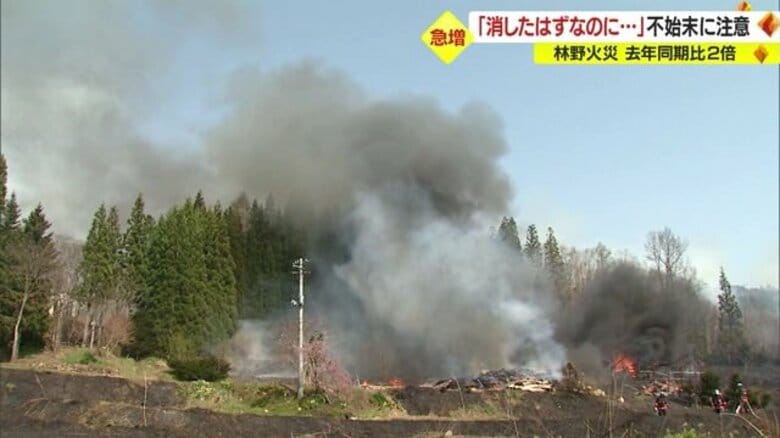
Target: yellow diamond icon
column 447, row 37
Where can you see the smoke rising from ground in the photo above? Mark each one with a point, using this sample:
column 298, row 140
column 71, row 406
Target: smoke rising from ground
column 449, row 301
column 420, row 287
column 626, row 309
column 417, row 289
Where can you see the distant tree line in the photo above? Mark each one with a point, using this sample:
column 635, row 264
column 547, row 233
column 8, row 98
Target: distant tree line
column 170, row 287
column 716, row 334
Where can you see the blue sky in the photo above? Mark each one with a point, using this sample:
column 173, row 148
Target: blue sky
column 598, row 153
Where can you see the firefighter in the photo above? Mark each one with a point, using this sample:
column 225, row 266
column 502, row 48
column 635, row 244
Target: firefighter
column 718, row 402
column 744, row 400
column 661, row 405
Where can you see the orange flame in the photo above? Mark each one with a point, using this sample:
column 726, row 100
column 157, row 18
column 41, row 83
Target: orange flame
column 624, row 363
column 396, row 382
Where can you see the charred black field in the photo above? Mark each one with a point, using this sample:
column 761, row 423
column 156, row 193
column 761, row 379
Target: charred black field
column 48, row 403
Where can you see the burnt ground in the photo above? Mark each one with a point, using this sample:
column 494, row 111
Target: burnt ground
column 51, row 404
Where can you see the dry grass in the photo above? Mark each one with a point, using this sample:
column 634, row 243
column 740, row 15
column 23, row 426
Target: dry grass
column 73, row 360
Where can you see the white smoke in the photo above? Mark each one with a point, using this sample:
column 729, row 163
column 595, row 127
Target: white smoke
column 445, row 289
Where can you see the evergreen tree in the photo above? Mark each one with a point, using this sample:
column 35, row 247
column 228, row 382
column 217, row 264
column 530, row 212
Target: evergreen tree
column 271, row 242
column 136, row 248
column 507, row 233
column 260, row 293
column 3, row 186
column 221, row 280
column 270, row 206
column 533, row 248
column 12, row 215
column 199, row 203
column 553, row 263
column 190, row 301
column 731, row 340
column 36, row 227
column 100, row 269
column 7, row 209
column 25, row 301
column 3, row 255
column 238, row 251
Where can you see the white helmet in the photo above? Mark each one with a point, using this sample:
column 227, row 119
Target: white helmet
column 717, row 392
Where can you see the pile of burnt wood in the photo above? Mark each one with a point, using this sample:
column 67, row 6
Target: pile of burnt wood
column 497, row 380
column 665, row 387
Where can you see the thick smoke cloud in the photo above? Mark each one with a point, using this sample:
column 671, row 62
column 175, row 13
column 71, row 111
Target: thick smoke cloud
column 448, row 300
column 79, row 81
column 626, row 309
column 409, row 282
column 403, row 182
column 310, row 134
column 420, row 287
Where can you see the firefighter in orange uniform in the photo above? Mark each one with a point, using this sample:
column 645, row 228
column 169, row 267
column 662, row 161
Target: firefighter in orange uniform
column 744, row 400
column 661, row 404
column 718, row 402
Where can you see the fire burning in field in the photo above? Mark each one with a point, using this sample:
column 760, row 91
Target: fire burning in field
column 624, row 363
column 393, row 383
column 396, row 382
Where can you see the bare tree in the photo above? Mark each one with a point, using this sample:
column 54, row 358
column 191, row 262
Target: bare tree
column 666, row 252
column 30, row 269
column 582, row 265
column 66, row 280
column 602, row 255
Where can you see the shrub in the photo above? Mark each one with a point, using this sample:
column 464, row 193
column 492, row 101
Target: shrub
column 322, row 370
column 208, row 368
column 379, row 400
column 313, row 400
column 80, row 357
column 733, row 393
column 117, row 330
column 708, row 383
column 687, row 432
column 688, row 393
column 271, row 394
column 759, row 399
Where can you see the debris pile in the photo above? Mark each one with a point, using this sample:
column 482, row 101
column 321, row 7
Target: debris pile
column 502, row 380
column 497, row 380
column 669, row 387
column 572, row 382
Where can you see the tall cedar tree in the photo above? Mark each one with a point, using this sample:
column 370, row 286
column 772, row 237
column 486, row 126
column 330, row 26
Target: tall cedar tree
column 731, row 339
column 3, row 187
column 190, row 301
column 10, row 234
column 3, row 255
column 32, row 260
column 271, row 244
column 24, row 266
column 12, row 215
column 553, row 263
column 533, row 248
column 136, row 249
column 235, row 221
column 100, row 268
column 507, row 233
